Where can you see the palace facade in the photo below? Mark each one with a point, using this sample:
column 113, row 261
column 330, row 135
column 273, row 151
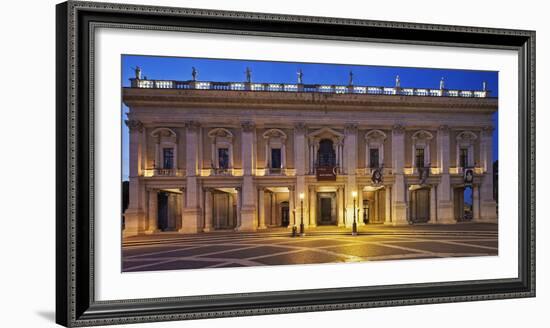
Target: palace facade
column 249, row 156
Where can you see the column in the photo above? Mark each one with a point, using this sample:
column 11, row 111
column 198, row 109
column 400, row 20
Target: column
column 157, row 163
column 488, row 203
column 291, row 206
column 134, row 216
column 350, row 152
column 341, row 222
column 360, row 205
column 152, row 217
column 261, row 207
column 312, row 207
column 248, row 193
column 192, row 211
column 388, row 218
column 182, row 203
column 230, row 214
column 238, row 207
column 299, row 149
column 444, row 198
column 476, row 202
column 208, row 207
column 399, row 202
column 433, row 204
column 299, row 160
column 273, row 209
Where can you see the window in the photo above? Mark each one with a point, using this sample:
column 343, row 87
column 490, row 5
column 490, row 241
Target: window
column 275, row 158
column 223, row 158
column 326, row 156
column 374, row 158
column 168, row 158
column 463, row 157
column 419, row 157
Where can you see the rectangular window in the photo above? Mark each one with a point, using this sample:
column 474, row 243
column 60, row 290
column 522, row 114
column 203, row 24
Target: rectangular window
column 374, row 158
column 275, row 158
column 223, row 158
column 168, row 158
column 463, row 157
column 419, row 157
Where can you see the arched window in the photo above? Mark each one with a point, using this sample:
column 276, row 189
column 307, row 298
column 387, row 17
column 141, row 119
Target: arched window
column 421, row 149
column 465, row 149
column 166, row 150
column 222, row 150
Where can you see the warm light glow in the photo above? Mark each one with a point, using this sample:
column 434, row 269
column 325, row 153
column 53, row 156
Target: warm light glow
column 354, row 194
column 301, row 195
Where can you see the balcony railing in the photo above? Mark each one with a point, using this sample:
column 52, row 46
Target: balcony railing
column 164, row 172
column 310, row 88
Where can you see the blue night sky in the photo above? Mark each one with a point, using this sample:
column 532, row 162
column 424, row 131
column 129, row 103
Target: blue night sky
column 224, row 70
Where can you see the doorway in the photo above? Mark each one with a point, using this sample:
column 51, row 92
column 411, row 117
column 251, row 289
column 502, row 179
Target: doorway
column 420, row 205
column 463, row 203
column 326, row 208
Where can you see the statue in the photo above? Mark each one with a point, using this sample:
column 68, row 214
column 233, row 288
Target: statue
column 484, row 86
column 194, row 73
column 248, row 73
column 300, row 76
column 397, row 82
column 442, row 84
column 350, row 78
column 137, row 72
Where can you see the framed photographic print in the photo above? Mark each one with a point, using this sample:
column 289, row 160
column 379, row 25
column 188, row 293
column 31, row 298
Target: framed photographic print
column 215, row 164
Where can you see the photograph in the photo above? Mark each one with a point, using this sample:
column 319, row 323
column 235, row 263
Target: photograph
column 240, row 163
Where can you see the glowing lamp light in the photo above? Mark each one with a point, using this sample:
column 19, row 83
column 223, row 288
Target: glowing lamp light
column 354, row 194
column 301, row 195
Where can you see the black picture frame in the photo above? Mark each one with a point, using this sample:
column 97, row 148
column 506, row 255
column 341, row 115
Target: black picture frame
column 75, row 302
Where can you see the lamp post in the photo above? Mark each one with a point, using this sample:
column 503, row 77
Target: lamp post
column 354, row 226
column 302, row 214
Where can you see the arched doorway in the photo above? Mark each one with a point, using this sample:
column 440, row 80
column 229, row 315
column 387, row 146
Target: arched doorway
column 327, row 155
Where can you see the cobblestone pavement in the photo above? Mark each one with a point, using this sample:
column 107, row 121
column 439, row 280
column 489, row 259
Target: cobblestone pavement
column 171, row 251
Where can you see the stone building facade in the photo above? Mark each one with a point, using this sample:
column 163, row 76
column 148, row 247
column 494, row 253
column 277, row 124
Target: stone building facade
column 248, row 156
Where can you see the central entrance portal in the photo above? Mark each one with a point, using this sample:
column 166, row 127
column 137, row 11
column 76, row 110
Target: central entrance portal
column 326, row 213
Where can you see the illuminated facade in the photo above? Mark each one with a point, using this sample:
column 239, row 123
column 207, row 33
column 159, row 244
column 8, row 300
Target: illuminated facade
column 251, row 156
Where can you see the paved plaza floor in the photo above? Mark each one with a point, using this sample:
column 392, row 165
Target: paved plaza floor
column 173, row 251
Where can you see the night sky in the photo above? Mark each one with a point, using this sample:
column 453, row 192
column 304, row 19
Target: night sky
column 224, row 70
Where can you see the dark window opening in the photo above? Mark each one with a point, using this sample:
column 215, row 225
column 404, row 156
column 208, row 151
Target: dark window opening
column 276, row 162
column 327, row 155
column 223, row 158
column 463, row 157
column 168, row 158
column 419, row 157
column 374, row 158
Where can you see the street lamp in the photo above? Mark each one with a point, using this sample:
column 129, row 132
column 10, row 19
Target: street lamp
column 354, row 227
column 302, row 214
